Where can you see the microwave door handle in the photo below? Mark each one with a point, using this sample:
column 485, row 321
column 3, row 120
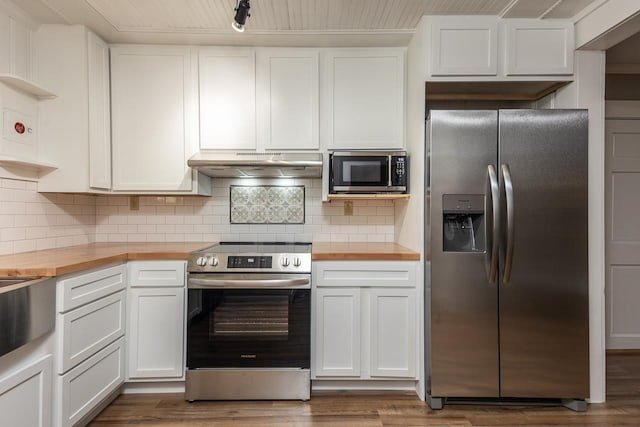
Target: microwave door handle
column 390, row 165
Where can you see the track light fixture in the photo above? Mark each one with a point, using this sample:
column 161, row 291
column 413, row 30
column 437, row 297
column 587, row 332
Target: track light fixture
column 242, row 13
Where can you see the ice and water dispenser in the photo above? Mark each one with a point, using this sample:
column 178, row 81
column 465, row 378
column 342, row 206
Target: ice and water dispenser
column 463, row 223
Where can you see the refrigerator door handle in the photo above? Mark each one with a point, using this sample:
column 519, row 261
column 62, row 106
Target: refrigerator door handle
column 492, row 229
column 508, row 191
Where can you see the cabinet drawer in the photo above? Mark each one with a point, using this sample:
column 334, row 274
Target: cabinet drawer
column 83, row 288
column 157, row 273
column 87, row 329
column 365, row 273
column 82, row 388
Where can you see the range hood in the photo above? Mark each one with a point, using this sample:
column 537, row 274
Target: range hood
column 257, row 165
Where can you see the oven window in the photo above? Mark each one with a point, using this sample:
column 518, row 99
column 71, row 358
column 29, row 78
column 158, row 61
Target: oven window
column 251, row 317
column 245, row 328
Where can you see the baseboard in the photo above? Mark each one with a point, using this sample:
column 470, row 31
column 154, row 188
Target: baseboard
column 153, row 387
column 364, row 385
column 623, row 352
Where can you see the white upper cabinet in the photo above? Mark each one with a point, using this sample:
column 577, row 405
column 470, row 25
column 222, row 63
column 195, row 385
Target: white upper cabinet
column 537, row 47
column 15, row 46
column 287, row 98
column 464, row 46
column 363, row 98
column 487, row 48
column 75, row 126
column 154, row 118
column 227, row 98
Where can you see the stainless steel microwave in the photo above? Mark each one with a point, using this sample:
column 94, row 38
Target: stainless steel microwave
column 368, row 172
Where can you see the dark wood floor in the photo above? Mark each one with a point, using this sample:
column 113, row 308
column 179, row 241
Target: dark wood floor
column 380, row 409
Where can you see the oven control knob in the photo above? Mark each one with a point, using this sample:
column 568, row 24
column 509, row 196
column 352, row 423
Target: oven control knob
column 297, row 261
column 213, row 261
column 201, row 261
column 284, row 262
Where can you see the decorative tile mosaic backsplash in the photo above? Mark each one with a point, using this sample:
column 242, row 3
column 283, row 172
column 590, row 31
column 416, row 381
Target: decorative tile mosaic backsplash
column 267, row 204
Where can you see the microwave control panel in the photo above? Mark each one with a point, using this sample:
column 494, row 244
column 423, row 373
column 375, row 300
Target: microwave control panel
column 399, row 171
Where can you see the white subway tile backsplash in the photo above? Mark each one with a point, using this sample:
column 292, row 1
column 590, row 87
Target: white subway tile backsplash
column 35, row 221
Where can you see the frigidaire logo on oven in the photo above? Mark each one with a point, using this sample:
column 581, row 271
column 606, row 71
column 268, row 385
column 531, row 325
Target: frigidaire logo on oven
column 248, row 356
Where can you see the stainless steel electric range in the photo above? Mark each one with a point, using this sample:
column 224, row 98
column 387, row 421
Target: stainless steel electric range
column 249, row 322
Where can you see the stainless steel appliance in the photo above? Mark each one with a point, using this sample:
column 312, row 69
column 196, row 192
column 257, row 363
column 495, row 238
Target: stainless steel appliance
column 506, row 247
column 368, row 172
column 257, row 165
column 27, row 310
column 249, row 322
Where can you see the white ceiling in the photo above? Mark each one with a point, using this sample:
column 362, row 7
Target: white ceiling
column 294, row 22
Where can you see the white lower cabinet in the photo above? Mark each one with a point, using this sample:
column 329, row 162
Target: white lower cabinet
column 90, row 328
column 337, row 318
column 368, row 331
column 156, row 320
column 26, row 395
column 393, row 332
column 156, row 333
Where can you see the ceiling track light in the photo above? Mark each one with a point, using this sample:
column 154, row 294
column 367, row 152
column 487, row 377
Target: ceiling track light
column 242, row 13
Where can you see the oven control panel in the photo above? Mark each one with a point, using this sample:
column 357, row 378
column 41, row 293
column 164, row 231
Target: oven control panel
column 220, row 262
column 237, row 261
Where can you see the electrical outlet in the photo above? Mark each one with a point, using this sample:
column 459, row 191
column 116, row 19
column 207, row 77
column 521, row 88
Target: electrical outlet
column 348, row 208
column 134, row 203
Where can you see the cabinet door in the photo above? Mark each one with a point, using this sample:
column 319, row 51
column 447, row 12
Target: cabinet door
column 337, row 332
column 153, row 103
column 99, row 113
column 363, row 98
column 463, row 46
column 535, row 47
column 393, row 332
column 156, row 333
column 26, row 395
column 15, row 47
column 227, row 98
column 287, row 98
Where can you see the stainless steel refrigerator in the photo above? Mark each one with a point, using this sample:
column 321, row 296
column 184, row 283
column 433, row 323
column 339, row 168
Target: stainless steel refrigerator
column 506, row 281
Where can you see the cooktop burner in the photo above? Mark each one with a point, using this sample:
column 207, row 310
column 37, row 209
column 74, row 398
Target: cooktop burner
column 249, row 257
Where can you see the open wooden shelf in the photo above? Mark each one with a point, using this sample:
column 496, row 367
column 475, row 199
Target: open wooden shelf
column 367, row 196
column 33, row 164
column 26, row 86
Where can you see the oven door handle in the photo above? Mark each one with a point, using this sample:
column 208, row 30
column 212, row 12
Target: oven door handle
column 228, row 283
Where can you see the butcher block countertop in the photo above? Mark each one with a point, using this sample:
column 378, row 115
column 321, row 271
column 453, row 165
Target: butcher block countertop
column 56, row 262
column 362, row 251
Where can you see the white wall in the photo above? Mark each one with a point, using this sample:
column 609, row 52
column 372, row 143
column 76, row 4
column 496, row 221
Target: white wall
column 588, row 92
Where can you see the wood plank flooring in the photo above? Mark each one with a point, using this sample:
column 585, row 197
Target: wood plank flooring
column 351, row 409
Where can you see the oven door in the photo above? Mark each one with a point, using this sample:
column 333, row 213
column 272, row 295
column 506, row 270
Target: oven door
column 249, row 321
column 359, row 173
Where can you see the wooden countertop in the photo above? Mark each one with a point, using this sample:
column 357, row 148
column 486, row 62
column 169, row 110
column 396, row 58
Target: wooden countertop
column 362, row 251
column 56, row 262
